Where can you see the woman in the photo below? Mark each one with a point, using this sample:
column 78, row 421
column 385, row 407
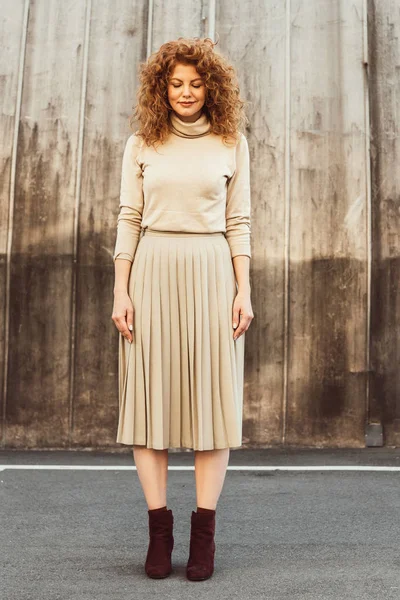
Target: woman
column 182, row 292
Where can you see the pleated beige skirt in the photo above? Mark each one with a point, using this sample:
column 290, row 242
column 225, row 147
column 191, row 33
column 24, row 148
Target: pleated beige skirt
column 181, row 379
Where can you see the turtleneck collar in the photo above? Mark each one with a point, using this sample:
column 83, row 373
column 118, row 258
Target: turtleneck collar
column 189, row 130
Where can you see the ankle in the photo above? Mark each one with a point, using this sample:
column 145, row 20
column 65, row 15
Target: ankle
column 155, row 510
column 200, row 509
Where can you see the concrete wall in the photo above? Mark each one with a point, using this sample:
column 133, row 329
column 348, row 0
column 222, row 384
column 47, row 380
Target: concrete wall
column 323, row 81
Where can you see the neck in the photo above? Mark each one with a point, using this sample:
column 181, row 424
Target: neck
column 186, row 129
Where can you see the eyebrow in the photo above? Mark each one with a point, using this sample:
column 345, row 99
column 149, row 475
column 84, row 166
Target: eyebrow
column 177, row 78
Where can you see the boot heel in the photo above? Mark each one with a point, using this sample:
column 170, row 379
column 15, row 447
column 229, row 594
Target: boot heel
column 158, row 560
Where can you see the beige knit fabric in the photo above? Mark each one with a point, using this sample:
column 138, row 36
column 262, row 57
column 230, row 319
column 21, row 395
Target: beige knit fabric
column 181, row 379
column 197, row 185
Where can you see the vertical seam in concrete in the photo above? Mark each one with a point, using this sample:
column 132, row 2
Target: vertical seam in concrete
column 22, row 55
column 76, row 215
column 150, row 27
column 368, row 201
column 287, row 223
column 211, row 19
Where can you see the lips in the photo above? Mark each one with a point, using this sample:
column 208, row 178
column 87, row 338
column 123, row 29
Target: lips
column 187, row 103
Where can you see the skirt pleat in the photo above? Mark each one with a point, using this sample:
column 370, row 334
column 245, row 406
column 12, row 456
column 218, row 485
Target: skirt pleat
column 181, row 379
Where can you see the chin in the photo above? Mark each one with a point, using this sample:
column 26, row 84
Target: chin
column 188, row 110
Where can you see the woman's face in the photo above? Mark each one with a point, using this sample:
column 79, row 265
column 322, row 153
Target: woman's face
column 186, row 85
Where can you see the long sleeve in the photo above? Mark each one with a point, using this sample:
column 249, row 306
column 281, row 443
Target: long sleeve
column 131, row 202
column 238, row 203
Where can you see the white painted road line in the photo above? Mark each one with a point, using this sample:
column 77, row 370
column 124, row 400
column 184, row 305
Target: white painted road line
column 191, row 468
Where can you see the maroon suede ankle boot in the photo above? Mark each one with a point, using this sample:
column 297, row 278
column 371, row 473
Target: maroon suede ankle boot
column 158, row 559
column 202, row 546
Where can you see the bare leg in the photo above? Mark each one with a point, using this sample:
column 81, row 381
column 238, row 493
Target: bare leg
column 152, row 469
column 210, row 470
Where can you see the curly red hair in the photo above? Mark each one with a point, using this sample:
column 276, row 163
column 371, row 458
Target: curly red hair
column 223, row 105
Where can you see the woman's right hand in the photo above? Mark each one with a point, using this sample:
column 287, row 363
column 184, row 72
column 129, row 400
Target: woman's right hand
column 123, row 314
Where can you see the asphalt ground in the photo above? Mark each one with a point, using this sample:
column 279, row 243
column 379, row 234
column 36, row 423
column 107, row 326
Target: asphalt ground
column 291, row 524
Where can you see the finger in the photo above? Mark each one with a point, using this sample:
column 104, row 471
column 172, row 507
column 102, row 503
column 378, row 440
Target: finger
column 237, row 334
column 235, row 317
column 118, row 322
column 242, row 327
column 123, row 327
column 129, row 318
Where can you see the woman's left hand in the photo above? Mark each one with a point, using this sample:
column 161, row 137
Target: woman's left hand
column 242, row 314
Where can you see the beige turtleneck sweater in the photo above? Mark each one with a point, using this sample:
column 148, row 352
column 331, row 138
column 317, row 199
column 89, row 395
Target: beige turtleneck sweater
column 192, row 183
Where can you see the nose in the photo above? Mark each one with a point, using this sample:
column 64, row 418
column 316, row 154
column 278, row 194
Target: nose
column 186, row 93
